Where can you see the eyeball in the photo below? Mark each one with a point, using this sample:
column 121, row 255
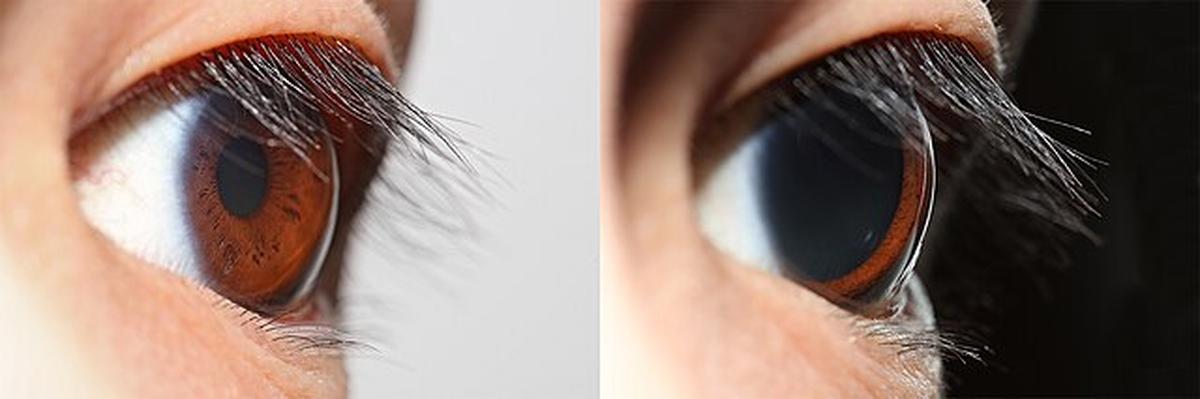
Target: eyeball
column 198, row 185
column 822, row 191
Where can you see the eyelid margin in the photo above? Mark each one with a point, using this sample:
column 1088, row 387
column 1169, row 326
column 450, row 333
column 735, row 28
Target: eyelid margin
column 804, row 37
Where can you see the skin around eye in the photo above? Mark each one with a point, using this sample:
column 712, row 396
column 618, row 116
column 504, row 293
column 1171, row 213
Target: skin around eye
column 818, row 189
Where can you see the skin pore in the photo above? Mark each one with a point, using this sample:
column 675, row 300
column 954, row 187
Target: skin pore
column 679, row 318
column 86, row 318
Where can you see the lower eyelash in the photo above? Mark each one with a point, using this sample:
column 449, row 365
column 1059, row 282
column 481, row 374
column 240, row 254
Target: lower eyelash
column 298, row 338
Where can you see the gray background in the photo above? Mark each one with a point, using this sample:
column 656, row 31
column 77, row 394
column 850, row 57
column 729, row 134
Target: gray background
column 517, row 316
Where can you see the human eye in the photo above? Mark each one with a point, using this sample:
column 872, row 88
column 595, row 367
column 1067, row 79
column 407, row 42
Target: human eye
column 830, row 177
column 228, row 167
column 823, row 183
column 239, row 167
column 826, row 176
column 810, row 154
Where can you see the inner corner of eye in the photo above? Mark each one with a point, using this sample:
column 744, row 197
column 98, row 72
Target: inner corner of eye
column 817, row 189
column 185, row 176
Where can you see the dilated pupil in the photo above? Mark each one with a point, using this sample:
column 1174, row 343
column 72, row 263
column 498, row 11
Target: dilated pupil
column 242, row 176
column 830, row 184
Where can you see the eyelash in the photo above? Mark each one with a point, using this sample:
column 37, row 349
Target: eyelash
column 989, row 152
column 944, row 81
column 297, row 337
column 426, row 172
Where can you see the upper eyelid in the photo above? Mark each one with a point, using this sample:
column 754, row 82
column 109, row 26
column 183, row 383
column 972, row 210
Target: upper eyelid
column 804, row 36
column 193, row 31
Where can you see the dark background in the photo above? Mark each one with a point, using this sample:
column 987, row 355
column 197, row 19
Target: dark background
column 1122, row 318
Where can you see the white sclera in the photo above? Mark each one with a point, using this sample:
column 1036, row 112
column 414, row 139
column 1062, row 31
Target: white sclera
column 730, row 213
column 134, row 191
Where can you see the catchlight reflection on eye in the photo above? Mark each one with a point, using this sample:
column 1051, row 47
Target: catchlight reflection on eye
column 821, row 191
column 198, row 185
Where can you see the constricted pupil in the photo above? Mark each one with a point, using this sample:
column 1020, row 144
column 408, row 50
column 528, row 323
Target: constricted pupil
column 242, row 176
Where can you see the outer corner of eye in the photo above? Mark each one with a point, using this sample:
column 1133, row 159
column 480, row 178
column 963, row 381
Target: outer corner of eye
column 815, row 186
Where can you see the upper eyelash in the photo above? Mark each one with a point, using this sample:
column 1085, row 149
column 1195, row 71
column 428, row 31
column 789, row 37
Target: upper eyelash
column 281, row 79
column 898, row 76
column 428, row 171
column 1009, row 159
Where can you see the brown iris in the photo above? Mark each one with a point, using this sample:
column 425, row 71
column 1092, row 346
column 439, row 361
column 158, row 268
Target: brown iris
column 261, row 212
